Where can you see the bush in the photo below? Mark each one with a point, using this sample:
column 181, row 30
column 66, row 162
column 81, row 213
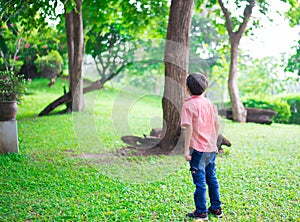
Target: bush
column 50, row 65
column 280, row 106
column 294, row 103
column 282, row 110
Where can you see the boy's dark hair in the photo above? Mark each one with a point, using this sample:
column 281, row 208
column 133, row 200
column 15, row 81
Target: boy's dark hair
column 197, row 83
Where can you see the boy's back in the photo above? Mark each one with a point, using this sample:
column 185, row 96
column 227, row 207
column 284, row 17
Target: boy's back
column 199, row 112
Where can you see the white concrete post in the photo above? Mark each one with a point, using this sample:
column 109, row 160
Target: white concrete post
column 9, row 137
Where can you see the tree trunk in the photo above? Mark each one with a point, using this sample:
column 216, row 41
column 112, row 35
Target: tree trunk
column 238, row 109
column 176, row 68
column 74, row 29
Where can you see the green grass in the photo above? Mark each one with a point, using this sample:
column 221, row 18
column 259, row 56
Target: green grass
column 50, row 180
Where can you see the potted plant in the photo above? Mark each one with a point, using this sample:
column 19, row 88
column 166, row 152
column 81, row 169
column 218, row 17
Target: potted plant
column 12, row 88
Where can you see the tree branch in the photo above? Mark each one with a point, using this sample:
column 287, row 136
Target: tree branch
column 247, row 15
column 16, row 52
column 227, row 17
column 4, row 60
column 97, row 67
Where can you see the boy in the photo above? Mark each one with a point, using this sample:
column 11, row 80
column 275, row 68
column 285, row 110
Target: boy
column 200, row 119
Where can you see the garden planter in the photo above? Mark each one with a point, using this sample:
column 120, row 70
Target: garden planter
column 8, row 110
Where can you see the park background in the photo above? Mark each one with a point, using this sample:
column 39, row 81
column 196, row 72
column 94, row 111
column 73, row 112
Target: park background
column 72, row 167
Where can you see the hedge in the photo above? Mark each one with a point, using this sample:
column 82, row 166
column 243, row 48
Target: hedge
column 280, row 106
column 294, row 103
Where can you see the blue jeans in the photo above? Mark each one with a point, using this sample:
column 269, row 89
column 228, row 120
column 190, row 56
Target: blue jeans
column 203, row 169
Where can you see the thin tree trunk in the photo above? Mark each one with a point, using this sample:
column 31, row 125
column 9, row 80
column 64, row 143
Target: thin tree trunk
column 77, row 82
column 238, row 109
column 70, row 43
column 176, row 68
column 74, row 28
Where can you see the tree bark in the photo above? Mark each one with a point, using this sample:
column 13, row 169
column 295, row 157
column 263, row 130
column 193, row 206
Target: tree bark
column 176, row 68
column 74, row 30
column 61, row 100
column 238, row 109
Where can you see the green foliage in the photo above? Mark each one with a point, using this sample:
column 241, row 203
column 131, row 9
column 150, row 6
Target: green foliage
column 110, row 51
column 146, row 76
column 41, row 42
column 260, row 77
column 281, row 107
column 138, row 19
column 51, row 179
column 294, row 18
column 282, row 110
column 293, row 14
column 51, row 63
column 257, row 103
column 205, row 44
column 264, row 77
column 17, row 65
column 26, row 21
column 12, row 86
column 30, row 14
column 294, row 61
column 9, row 52
column 294, row 103
column 204, row 36
column 114, row 35
column 17, row 17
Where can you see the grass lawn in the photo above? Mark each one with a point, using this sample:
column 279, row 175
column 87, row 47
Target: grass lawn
column 62, row 173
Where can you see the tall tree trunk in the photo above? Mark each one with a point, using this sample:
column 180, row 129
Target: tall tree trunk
column 176, row 68
column 74, row 29
column 238, row 109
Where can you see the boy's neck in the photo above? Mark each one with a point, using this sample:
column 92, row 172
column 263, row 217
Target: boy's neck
column 195, row 95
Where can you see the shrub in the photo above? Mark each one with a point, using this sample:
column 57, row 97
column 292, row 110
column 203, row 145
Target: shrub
column 294, row 103
column 280, row 106
column 282, row 110
column 257, row 103
column 50, row 65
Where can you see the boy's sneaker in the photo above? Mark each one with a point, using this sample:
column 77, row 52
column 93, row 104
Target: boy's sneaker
column 197, row 215
column 217, row 212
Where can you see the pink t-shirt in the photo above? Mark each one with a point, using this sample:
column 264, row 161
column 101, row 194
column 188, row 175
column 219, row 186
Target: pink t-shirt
column 199, row 112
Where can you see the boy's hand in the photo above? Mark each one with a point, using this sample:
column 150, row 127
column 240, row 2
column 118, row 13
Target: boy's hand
column 188, row 157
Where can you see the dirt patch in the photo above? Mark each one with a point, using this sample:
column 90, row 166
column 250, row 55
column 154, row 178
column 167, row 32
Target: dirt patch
column 123, row 153
column 132, row 151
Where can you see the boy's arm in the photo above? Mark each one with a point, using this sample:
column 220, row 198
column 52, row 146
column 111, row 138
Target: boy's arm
column 188, row 136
